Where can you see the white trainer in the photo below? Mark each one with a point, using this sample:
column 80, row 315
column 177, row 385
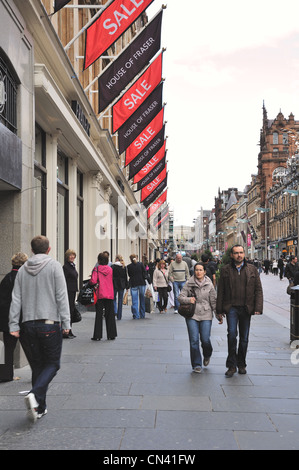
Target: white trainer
column 31, row 405
column 40, row 415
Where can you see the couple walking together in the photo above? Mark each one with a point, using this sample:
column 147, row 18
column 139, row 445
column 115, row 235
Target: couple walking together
column 239, row 296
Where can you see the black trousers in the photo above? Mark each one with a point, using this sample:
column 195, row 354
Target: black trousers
column 105, row 307
column 6, row 370
column 163, row 298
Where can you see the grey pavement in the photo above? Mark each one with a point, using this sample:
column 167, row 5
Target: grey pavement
column 138, row 392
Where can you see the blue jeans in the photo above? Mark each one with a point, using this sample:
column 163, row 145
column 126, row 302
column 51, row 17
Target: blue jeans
column 177, row 287
column 199, row 330
column 118, row 305
column 237, row 317
column 45, row 344
column 138, row 301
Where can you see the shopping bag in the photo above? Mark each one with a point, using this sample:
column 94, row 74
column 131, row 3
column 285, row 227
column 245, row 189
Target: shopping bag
column 87, row 294
column 125, row 299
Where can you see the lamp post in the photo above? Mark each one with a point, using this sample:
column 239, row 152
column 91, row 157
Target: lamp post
column 245, row 221
column 265, row 210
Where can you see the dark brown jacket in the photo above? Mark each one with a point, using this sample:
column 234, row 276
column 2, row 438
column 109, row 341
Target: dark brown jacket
column 253, row 289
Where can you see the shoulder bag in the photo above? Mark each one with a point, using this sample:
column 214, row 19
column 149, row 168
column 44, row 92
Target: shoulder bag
column 169, row 288
column 187, row 310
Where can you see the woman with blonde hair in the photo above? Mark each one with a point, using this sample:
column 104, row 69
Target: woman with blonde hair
column 10, row 342
column 71, row 277
column 160, row 282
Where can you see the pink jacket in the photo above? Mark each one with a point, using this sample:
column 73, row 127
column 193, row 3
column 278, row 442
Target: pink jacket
column 103, row 276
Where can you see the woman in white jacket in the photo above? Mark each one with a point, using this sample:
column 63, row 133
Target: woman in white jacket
column 160, row 283
column 200, row 290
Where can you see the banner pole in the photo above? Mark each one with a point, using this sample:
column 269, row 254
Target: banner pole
column 88, row 24
column 123, row 50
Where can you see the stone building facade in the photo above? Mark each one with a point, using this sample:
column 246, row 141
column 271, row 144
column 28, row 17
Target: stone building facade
column 60, row 172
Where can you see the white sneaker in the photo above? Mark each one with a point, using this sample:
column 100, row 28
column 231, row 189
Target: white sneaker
column 31, row 405
column 197, row 369
column 40, row 415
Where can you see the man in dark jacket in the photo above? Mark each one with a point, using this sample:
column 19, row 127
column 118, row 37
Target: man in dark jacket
column 239, row 295
column 291, row 268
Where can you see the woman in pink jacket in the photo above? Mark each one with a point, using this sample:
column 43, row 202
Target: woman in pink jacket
column 102, row 276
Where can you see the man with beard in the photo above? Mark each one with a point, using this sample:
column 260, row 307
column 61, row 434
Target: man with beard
column 239, row 295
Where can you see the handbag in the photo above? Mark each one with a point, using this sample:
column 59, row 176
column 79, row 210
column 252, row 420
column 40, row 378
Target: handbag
column 87, row 295
column 76, row 316
column 187, row 310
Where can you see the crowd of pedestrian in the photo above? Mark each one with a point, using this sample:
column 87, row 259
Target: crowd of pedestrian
column 38, row 301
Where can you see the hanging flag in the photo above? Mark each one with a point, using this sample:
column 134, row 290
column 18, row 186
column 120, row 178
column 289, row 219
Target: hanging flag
column 156, row 192
column 161, row 217
column 152, row 174
column 137, row 94
column 129, row 64
column 152, row 148
column 110, row 25
column 145, row 137
column 152, row 185
column 157, row 158
column 157, row 204
column 140, row 119
column 58, row 4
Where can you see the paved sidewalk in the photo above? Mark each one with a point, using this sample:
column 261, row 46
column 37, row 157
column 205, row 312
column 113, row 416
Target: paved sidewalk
column 139, row 393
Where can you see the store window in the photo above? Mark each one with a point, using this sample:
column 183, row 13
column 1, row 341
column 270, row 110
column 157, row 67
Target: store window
column 8, row 95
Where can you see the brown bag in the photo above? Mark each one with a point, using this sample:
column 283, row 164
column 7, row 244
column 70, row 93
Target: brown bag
column 125, row 299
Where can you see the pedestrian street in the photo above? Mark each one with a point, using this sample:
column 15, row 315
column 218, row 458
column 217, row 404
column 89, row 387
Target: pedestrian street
column 139, row 393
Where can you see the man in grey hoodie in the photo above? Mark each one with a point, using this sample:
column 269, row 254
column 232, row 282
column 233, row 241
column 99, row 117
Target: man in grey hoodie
column 39, row 315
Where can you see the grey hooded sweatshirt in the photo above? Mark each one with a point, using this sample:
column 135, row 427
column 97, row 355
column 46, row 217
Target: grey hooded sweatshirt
column 40, row 293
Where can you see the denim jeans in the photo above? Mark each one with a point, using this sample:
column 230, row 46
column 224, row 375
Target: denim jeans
column 45, row 344
column 138, row 301
column 199, row 330
column 237, row 317
column 118, row 304
column 177, row 287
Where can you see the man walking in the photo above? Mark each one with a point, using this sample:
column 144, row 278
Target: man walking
column 178, row 275
column 280, row 267
column 239, row 295
column 39, row 315
column 291, row 268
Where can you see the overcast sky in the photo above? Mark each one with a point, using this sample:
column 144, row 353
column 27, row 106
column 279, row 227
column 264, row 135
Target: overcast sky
column 223, row 59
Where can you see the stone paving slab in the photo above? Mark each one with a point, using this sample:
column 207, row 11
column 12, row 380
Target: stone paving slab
column 139, row 393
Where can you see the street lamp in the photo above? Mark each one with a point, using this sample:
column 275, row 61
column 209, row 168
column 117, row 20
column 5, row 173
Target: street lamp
column 264, row 209
column 245, row 221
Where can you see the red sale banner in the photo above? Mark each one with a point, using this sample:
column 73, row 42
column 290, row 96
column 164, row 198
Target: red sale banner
column 110, row 25
column 158, row 203
column 145, row 137
column 149, row 188
column 150, row 165
column 137, row 93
